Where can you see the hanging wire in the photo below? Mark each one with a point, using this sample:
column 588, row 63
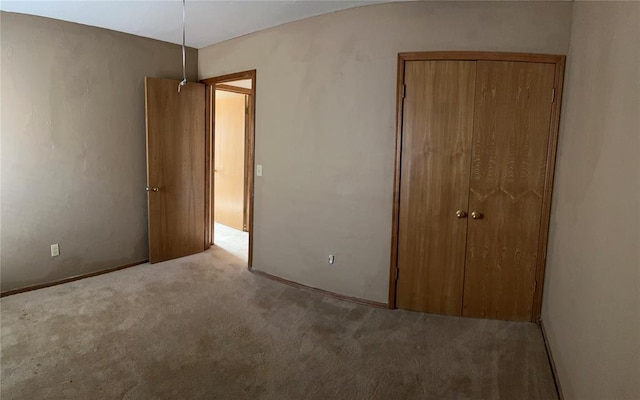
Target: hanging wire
column 184, row 68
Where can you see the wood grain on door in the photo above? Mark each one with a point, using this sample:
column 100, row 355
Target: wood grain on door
column 508, row 166
column 436, row 149
column 175, row 168
column 230, row 159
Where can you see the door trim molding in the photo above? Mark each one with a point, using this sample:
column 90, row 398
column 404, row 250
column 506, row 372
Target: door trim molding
column 232, row 89
column 209, row 143
column 480, row 56
column 552, row 148
column 559, row 61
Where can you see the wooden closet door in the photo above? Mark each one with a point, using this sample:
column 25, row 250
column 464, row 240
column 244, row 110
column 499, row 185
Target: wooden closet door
column 509, row 159
column 434, row 183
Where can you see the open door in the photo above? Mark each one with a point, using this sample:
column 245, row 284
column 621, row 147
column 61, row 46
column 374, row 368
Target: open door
column 230, row 207
column 175, row 168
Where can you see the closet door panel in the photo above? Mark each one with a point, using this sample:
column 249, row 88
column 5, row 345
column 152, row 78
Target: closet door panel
column 436, row 151
column 508, row 164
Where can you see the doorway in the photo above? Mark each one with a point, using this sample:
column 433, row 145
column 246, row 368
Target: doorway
column 230, row 103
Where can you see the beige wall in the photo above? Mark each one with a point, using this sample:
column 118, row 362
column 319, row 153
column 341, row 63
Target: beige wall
column 73, row 147
column 325, row 124
column 591, row 304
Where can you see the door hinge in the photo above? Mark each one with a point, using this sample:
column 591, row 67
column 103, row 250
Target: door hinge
column 553, row 95
column 397, row 273
column 535, row 285
column 404, row 91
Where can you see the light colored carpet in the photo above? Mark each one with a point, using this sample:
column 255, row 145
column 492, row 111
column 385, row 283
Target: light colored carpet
column 202, row 327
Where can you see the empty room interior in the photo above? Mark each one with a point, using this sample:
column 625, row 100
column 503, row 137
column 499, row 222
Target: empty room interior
column 320, row 200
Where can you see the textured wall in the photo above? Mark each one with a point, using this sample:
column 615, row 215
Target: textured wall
column 591, row 304
column 325, row 118
column 73, row 146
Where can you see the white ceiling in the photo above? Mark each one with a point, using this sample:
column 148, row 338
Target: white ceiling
column 208, row 22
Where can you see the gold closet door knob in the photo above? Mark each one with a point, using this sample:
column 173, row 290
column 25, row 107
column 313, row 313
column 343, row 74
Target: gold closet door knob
column 461, row 214
column 476, row 215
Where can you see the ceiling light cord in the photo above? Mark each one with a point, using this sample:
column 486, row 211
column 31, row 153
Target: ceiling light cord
column 184, row 68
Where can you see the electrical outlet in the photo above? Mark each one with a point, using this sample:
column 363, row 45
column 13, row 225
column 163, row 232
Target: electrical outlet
column 332, row 259
column 55, row 250
column 259, row 170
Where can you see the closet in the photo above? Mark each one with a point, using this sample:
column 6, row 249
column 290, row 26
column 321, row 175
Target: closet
column 474, row 166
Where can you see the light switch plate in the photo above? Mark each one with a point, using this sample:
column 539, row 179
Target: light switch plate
column 55, row 250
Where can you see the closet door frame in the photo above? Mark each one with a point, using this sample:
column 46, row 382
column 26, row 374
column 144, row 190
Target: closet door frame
column 559, row 62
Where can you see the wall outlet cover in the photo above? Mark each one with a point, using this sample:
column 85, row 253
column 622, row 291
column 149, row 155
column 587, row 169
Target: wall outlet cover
column 55, row 250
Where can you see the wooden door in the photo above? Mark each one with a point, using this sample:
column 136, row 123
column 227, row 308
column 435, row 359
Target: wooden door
column 436, row 149
column 513, row 104
column 229, row 159
column 175, row 168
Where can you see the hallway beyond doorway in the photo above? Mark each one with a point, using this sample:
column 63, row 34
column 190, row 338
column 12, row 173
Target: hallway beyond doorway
column 232, row 240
